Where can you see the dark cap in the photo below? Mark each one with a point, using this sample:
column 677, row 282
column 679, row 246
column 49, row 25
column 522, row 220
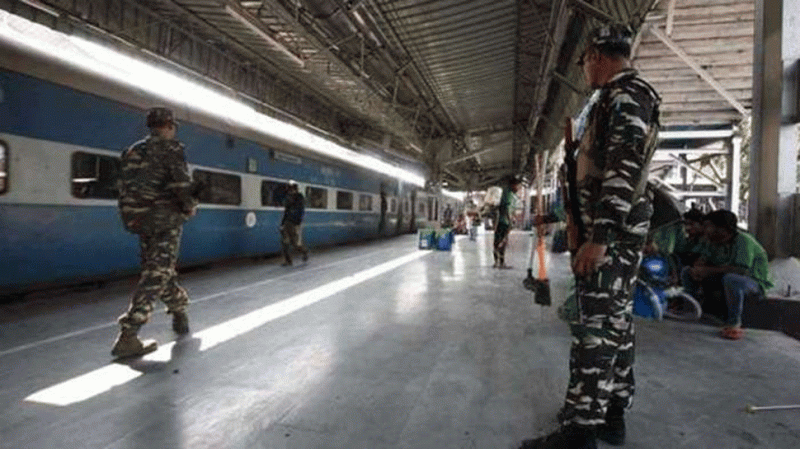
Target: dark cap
column 723, row 219
column 157, row 117
column 614, row 34
column 695, row 215
column 513, row 180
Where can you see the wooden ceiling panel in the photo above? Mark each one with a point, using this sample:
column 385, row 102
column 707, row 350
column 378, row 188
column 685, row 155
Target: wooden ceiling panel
column 715, row 38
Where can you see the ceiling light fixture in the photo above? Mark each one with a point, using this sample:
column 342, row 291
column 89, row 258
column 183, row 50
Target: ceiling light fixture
column 247, row 20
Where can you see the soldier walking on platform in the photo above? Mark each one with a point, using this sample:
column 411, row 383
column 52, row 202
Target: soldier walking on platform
column 609, row 219
column 155, row 199
column 294, row 209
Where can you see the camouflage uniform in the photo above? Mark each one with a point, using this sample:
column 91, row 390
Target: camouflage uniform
column 611, row 171
column 294, row 209
column 155, row 200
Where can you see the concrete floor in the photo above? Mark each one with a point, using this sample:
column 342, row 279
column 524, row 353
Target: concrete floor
column 440, row 352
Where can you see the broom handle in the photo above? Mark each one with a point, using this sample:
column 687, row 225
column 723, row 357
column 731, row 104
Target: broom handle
column 532, row 247
column 542, row 274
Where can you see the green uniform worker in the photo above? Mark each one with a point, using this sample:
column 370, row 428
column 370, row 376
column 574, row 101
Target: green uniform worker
column 731, row 261
column 503, row 226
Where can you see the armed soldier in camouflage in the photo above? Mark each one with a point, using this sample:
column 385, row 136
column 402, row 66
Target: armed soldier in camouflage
column 610, row 218
column 155, row 199
column 291, row 224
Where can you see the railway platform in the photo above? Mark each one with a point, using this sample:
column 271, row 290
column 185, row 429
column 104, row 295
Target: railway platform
column 369, row 346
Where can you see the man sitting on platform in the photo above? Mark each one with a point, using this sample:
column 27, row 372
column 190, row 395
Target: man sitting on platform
column 732, row 266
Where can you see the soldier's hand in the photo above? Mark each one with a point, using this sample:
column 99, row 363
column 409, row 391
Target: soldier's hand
column 589, row 257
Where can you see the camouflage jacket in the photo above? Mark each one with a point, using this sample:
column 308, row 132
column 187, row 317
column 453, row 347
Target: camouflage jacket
column 613, row 155
column 294, row 208
column 155, row 189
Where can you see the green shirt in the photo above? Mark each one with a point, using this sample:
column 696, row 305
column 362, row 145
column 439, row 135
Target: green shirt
column 669, row 238
column 743, row 251
column 508, row 204
column 685, row 245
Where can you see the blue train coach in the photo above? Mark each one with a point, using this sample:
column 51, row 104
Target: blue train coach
column 62, row 130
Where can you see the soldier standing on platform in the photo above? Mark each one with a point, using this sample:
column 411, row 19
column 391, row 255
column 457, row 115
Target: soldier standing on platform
column 610, row 215
column 294, row 209
column 155, row 199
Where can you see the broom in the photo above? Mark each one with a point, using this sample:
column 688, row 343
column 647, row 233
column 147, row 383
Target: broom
column 540, row 286
column 542, row 293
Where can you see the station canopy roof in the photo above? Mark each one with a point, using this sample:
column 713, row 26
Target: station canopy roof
column 469, row 89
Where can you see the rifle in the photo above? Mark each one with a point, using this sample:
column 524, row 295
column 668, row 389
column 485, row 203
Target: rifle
column 576, row 230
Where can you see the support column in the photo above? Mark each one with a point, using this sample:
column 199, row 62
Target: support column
column 526, row 204
column 769, row 197
column 790, row 129
column 735, row 174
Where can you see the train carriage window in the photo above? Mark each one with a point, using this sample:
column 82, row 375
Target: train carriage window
column 273, row 193
column 344, row 200
column 94, row 176
column 421, row 209
column 219, row 188
column 406, row 206
column 364, row 202
column 316, row 198
column 3, row 167
column 393, row 208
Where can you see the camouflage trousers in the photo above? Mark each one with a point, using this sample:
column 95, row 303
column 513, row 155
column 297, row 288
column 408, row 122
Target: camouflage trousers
column 159, row 280
column 500, row 242
column 291, row 238
column 602, row 353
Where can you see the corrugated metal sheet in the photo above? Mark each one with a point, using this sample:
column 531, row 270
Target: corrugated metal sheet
column 480, row 83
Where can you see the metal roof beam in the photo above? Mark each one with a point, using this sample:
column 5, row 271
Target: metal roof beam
column 697, row 171
column 670, row 16
column 593, row 11
column 469, row 155
column 696, row 134
column 688, row 152
column 696, row 67
column 565, row 81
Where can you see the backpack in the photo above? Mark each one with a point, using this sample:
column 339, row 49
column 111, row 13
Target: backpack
column 666, row 209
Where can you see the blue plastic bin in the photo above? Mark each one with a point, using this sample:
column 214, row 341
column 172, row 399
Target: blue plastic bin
column 426, row 239
column 444, row 240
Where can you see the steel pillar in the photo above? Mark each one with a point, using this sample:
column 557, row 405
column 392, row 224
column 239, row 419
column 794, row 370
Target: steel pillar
column 773, row 154
column 735, row 175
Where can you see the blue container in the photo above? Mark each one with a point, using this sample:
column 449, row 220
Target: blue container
column 649, row 299
column 444, row 240
column 649, row 302
column 426, row 239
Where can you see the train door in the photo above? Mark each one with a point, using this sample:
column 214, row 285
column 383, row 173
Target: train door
column 382, row 222
column 400, row 203
column 412, row 227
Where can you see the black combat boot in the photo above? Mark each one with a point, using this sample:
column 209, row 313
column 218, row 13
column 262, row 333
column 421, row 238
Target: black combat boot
column 129, row 345
column 613, row 431
column 180, row 323
column 567, row 437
